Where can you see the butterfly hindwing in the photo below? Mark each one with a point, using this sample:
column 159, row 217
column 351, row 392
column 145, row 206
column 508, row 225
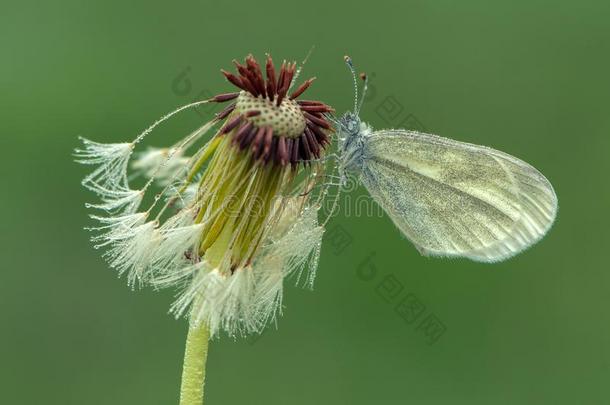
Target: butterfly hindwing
column 457, row 199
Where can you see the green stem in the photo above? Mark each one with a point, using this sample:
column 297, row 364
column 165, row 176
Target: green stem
column 193, row 370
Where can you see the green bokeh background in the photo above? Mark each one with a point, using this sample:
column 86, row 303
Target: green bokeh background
column 527, row 77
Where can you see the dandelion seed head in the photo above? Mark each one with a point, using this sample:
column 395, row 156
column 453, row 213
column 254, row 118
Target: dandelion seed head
column 285, row 119
column 262, row 117
column 226, row 226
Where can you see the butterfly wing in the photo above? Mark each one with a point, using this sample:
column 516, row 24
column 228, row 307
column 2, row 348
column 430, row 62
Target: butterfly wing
column 456, row 199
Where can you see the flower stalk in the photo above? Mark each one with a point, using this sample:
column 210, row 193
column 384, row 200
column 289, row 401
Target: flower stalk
column 193, row 369
column 231, row 222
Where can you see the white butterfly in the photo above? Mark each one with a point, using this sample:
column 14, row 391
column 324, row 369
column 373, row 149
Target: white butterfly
column 449, row 198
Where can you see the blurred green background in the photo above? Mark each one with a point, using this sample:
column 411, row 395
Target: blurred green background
column 526, row 77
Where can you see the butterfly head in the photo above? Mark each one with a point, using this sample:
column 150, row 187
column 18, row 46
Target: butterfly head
column 351, row 130
column 349, row 124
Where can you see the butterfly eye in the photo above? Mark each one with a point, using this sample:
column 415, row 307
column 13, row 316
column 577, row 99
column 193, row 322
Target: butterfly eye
column 354, row 125
column 350, row 123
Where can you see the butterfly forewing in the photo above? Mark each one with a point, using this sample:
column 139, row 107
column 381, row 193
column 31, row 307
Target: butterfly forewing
column 457, row 199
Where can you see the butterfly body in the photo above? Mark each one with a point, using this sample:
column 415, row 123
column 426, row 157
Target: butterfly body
column 352, row 142
column 449, row 198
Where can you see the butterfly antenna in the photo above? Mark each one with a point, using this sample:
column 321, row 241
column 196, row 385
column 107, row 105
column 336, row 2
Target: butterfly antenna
column 350, row 65
column 365, row 87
